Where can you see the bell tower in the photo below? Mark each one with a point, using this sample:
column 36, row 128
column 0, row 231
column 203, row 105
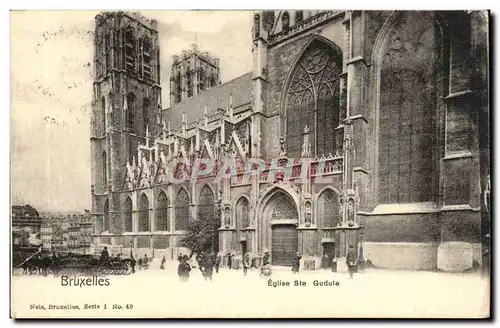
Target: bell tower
column 126, row 108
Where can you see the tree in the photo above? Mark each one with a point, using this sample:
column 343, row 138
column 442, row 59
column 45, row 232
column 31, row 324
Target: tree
column 203, row 235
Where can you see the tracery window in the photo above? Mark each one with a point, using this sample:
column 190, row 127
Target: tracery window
column 162, row 216
column 182, row 210
column 206, row 204
column 328, row 209
column 313, row 100
column 128, row 214
column 284, row 207
column 407, row 133
column 144, row 213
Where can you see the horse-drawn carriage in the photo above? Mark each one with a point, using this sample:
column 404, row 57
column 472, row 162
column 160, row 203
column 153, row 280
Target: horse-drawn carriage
column 74, row 264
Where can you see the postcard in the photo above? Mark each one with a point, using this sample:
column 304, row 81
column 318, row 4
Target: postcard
column 250, row 164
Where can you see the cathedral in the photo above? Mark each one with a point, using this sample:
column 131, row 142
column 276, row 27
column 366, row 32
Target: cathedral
column 370, row 128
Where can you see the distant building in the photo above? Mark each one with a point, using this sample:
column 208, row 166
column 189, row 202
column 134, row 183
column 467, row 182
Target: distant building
column 192, row 73
column 66, row 231
column 26, row 224
column 46, row 234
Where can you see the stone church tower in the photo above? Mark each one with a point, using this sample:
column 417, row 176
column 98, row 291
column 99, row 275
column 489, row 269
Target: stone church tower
column 125, row 109
column 192, row 73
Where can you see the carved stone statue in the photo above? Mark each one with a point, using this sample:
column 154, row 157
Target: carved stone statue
column 144, row 180
column 283, row 146
column 350, row 210
column 227, row 217
column 308, row 219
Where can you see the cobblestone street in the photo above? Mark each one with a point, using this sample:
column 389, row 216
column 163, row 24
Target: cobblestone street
column 159, row 293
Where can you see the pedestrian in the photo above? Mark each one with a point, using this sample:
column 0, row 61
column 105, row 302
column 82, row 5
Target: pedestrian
column 229, row 260
column 183, row 270
column 265, row 269
column 200, row 259
column 246, row 263
column 132, row 264
column 266, row 259
column 325, row 261
column 351, row 261
column 217, row 262
column 104, row 255
column 162, row 265
column 296, row 263
column 208, row 268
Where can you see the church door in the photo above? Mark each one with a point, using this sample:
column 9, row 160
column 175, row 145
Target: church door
column 284, row 244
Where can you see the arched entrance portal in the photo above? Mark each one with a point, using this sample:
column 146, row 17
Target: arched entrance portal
column 284, row 244
column 283, row 218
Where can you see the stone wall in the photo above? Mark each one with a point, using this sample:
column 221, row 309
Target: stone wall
column 409, row 256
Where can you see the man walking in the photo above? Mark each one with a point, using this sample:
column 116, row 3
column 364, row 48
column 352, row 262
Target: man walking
column 162, row 265
column 351, row 261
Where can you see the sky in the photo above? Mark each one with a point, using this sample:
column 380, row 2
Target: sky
column 51, row 92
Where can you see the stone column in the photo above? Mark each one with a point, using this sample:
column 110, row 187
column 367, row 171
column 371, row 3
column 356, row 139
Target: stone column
column 461, row 145
column 259, row 80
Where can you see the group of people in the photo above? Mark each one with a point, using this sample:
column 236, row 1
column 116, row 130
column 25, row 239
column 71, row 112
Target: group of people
column 351, row 260
column 208, row 262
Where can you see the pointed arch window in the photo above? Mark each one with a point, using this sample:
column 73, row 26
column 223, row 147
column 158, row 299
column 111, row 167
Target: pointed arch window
column 107, row 49
column 299, row 16
column 313, row 100
column 128, row 215
column 130, row 49
column 103, row 111
column 182, row 210
column 158, row 68
column 146, row 57
column 131, row 108
column 285, row 21
column 144, row 214
column 206, row 204
column 105, row 221
column 104, row 170
column 242, row 213
column 162, row 215
column 328, row 209
column 407, row 111
column 145, row 114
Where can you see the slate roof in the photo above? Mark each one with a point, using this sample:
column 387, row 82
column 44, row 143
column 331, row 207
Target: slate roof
column 216, row 97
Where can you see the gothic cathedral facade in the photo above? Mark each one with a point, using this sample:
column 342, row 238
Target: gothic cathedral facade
column 390, row 109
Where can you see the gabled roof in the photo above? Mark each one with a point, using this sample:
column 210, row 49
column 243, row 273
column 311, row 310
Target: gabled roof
column 217, row 97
